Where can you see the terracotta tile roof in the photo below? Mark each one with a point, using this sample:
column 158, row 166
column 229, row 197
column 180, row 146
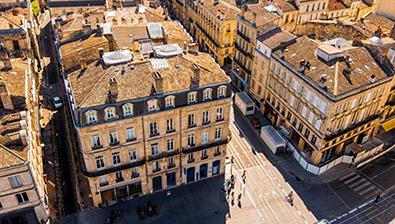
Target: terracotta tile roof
column 362, row 66
column 9, row 158
column 223, row 9
column 275, row 37
column 122, row 34
column 262, row 17
column 175, row 33
column 91, row 87
column 336, row 5
column 283, row 5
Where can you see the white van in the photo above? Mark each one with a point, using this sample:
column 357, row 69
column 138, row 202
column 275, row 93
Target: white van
column 244, row 103
column 273, row 139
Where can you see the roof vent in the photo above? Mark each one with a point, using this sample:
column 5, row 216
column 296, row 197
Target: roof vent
column 372, row 78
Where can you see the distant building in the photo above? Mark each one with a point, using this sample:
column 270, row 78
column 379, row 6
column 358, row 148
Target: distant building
column 144, row 126
column 23, row 188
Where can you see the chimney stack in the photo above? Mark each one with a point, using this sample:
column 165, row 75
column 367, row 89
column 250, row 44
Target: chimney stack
column 99, row 30
column 243, row 10
column 392, row 33
column 86, row 27
column 101, row 52
column 5, row 97
column 196, row 75
column 158, row 82
column 5, row 58
column 113, row 89
column 83, row 63
column 185, row 47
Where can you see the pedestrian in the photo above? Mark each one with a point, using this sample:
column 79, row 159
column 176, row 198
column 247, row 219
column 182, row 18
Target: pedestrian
column 232, row 198
column 232, row 160
column 229, row 191
column 377, row 198
column 239, row 200
column 243, row 189
column 244, row 173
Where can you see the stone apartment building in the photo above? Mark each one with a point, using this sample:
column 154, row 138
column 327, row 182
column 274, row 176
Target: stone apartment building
column 23, row 188
column 212, row 24
column 145, row 126
column 324, row 96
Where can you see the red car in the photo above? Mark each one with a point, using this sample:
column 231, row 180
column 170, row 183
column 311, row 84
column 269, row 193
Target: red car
column 255, row 122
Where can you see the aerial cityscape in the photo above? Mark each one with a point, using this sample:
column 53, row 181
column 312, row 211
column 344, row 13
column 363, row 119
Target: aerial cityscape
column 197, row 111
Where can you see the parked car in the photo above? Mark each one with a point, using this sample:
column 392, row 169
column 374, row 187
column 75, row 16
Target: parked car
column 57, row 102
column 255, row 122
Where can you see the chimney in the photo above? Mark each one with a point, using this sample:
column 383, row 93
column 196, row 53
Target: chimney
column 392, row 33
column 99, row 30
column 158, row 83
column 83, row 63
column 86, row 27
column 193, row 47
column 113, row 93
column 101, row 52
column 216, row 2
column 185, row 47
column 5, row 97
column 196, row 75
column 5, row 58
column 23, row 137
column 243, row 10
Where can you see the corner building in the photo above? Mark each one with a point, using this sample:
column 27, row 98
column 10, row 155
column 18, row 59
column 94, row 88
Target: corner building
column 147, row 126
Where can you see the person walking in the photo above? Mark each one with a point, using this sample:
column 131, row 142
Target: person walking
column 232, row 198
column 239, row 200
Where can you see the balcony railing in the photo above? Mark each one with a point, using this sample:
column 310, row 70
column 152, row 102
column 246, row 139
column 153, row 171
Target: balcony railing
column 170, row 166
column 218, row 153
column 191, row 160
column 154, row 134
column 242, row 35
column 170, row 131
column 97, row 147
column 135, row 175
column 163, row 155
column 155, row 170
column 111, row 169
column 131, row 139
column 204, row 157
column 239, row 48
column 242, row 66
column 191, row 125
column 114, row 143
column 205, row 122
column 187, row 150
column 103, row 183
column 120, row 179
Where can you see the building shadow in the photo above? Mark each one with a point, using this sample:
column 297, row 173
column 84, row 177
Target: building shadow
column 199, row 202
column 318, row 198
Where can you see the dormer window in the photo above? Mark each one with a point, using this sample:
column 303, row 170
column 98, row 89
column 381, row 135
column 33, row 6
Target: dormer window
column 127, row 109
column 192, row 97
column 221, row 91
column 207, row 94
column 169, row 101
column 153, row 105
column 110, row 113
column 91, row 116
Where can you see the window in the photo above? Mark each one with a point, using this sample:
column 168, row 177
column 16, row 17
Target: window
column 170, row 162
column 304, row 111
column 289, row 115
column 206, row 117
column 221, row 91
column 130, row 134
column 204, row 154
column 307, row 133
column 292, row 101
column 311, row 117
column 156, row 166
column 220, row 114
column 99, row 162
column 133, row 155
column 114, row 138
column 170, row 125
column 22, row 197
column 153, row 105
column 96, row 142
column 207, row 94
column 205, row 137
column 217, row 151
column 360, row 100
column 192, row 97
column 116, row 158
column 91, row 116
column 118, row 176
column 191, row 140
column 127, row 109
column 300, row 128
column 190, row 157
column 296, row 85
column 313, row 139
column 110, row 113
column 153, row 129
column 318, row 124
column 218, row 132
column 154, row 149
column 15, row 181
column 134, row 172
column 169, row 101
column 191, row 120
column 170, row 144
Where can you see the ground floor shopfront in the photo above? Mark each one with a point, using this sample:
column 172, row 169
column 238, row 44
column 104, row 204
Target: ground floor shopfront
column 121, row 193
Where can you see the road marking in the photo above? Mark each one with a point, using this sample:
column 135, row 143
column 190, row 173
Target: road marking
column 347, row 176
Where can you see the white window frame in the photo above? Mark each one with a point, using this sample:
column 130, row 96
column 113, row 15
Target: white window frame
column 191, row 140
column 15, row 181
column 113, row 135
column 100, row 162
column 207, row 94
column 130, row 134
column 155, row 149
column 192, row 97
column 110, row 113
column 153, row 105
column 169, row 101
column 170, row 145
column 169, row 124
column 218, row 134
column 127, row 109
column 220, row 113
column 221, row 91
column 116, row 158
column 133, row 155
column 205, row 137
column 95, row 139
column 91, row 116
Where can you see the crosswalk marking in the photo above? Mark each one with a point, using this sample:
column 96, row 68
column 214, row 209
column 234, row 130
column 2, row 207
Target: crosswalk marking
column 360, row 185
column 347, row 176
column 351, row 179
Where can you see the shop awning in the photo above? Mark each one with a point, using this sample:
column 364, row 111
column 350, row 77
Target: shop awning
column 389, row 125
